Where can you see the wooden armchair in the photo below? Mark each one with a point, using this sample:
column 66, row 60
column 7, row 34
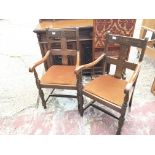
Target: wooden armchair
column 63, row 58
column 111, row 90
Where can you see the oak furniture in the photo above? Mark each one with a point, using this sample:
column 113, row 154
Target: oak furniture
column 91, row 36
column 110, row 90
column 60, row 74
column 85, row 35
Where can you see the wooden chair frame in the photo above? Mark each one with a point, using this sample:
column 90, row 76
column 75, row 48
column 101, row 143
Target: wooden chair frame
column 153, row 87
column 64, row 52
column 125, row 43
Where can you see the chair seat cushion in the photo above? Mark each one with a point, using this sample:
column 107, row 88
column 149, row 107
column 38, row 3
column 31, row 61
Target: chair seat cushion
column 107, row 87
column 59, row 74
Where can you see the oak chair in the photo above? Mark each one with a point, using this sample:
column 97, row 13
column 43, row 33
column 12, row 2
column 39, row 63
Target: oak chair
column 111, row 90
column 63, row 57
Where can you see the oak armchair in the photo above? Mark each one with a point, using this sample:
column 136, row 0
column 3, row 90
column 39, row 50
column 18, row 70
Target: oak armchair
column 108, row 89
column 63, row 58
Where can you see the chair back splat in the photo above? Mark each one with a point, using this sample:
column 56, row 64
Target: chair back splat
column 63, row 45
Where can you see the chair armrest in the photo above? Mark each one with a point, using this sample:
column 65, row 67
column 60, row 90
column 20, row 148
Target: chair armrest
column 132, row 79
column 31, row 69
column 151, row 43
column 89, row 65
column 78, row 59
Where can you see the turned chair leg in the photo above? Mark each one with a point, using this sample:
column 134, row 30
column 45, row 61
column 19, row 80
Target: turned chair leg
column 121, row 119
column 41, row 93
column 120, row 124
column 80, row 104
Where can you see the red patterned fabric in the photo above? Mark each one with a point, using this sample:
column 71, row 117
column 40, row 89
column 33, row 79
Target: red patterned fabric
column 115, row 26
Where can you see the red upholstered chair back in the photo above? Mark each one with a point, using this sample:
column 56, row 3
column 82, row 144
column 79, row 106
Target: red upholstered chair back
column 115, row 26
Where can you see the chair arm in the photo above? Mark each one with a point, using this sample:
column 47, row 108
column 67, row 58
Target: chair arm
column 78, row 59
column 132, row 79
column 89, row 65
column 31, row 69
column 151, row 43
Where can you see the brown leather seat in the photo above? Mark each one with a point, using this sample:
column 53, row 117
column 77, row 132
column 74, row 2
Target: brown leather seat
column 108, row 88
column 58, row 74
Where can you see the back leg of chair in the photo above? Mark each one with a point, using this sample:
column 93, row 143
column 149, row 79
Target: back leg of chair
column 130, row 103
column 121, row 119
column 41, row 93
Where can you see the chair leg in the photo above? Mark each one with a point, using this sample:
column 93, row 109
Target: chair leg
column 130, row 103
column 120, row 124
column 41, row 93
column 121, row 119
column 80, row 104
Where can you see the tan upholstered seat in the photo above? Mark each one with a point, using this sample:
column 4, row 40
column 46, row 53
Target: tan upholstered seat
column 58, row 74
column 108, row 88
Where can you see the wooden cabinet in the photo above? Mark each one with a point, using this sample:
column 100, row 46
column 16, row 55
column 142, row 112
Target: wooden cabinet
column 85, row 36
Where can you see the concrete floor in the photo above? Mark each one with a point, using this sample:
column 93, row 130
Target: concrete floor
column 18, row 92
column 18, row 50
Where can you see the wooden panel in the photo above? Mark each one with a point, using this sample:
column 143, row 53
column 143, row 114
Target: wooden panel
column 64, row 24
column 85, row 35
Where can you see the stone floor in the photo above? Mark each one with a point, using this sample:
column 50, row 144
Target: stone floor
column 20, row 112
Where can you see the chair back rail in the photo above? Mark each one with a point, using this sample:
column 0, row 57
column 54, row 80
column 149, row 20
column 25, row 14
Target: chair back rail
column 58, row 43
column 125, row 44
